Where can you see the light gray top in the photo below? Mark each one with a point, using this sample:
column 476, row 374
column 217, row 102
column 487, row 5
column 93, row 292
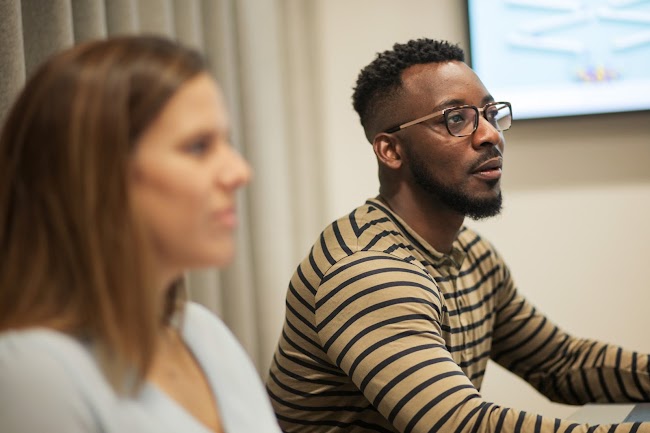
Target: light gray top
column 51, row 382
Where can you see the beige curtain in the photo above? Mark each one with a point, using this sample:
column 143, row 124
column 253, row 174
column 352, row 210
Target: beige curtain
column 259, row 51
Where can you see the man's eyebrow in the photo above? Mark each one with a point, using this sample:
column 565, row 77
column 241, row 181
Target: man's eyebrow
column 448, row 104
column 488, row 98
column 456, row 102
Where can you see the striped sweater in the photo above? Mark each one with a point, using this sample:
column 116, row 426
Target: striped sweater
column 385, row 334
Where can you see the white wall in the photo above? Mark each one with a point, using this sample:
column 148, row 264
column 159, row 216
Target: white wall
column 577, row 191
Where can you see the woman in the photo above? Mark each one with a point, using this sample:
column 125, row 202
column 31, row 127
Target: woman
column 116, row 176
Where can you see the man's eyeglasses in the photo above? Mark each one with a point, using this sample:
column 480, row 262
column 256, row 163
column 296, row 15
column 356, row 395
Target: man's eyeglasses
column 462, row 121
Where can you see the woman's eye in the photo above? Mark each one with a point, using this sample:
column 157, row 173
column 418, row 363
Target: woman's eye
column 198, row 147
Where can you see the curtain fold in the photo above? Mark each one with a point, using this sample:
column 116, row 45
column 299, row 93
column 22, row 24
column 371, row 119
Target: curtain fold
column 236, row 292
column 260, row 53
column 155, row 16
column 47, row 28
column 89, row 20
column 266, row 140
column 187, row 23
column 122, row 16
column 12, row 54
column 306, row 149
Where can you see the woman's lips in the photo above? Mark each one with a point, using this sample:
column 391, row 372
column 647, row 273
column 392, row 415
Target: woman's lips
column 227, row 218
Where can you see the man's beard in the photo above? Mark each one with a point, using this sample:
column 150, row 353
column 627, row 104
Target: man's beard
column 455, row 198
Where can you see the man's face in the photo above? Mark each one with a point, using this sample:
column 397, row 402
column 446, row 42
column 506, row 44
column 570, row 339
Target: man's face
column 461, row 173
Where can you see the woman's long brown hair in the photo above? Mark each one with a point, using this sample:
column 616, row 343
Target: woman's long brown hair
column 73, row 256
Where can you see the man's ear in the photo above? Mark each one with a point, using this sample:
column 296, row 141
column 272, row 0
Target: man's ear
column 388, row 149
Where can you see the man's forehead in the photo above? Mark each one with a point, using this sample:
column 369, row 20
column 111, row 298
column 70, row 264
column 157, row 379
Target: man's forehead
column 428, row 71
column 452, row 80
column 426, row 68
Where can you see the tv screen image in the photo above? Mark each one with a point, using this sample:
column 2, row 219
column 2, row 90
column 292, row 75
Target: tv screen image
column 553, row 58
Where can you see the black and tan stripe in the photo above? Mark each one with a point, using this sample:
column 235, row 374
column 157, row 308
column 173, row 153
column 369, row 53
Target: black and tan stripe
column 385, row 334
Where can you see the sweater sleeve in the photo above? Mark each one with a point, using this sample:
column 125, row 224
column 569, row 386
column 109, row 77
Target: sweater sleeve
column 381, row 324
column 564, row 368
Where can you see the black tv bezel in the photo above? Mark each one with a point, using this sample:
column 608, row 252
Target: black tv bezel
column 469, row 59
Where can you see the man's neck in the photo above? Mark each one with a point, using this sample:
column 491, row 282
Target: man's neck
column 436, row 223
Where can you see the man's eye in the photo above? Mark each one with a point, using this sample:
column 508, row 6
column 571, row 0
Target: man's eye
column 455, row 117
column 491, row 113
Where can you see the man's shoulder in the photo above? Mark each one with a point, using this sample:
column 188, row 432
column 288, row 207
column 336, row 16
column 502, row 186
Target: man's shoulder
column 363, row 238
column 370, row 214
column 366, row 229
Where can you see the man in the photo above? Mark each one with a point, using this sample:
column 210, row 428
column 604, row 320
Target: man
column 392, row 316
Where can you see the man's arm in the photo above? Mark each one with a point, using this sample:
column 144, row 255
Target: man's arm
column 563, row 368
column 381, row 324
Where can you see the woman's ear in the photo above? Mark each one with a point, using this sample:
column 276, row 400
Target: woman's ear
column 388, row 149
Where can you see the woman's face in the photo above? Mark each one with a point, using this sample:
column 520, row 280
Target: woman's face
column 184, row 175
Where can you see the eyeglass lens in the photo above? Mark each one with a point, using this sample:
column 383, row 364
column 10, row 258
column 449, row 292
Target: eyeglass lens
column 463, row 121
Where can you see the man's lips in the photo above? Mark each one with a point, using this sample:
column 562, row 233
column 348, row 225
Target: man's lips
column 490, row 164
column 490, row 169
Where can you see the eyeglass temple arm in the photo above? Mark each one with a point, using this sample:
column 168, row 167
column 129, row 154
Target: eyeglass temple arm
column 413, row 122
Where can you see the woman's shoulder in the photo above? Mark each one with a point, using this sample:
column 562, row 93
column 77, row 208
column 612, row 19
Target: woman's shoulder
column 197, row 315
column 44, row 372
column 230, row 371
column 52, row 357
column 200, row 323
column 37, row 348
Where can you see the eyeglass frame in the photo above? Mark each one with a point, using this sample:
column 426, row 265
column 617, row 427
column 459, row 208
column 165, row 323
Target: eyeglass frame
column 443, row 112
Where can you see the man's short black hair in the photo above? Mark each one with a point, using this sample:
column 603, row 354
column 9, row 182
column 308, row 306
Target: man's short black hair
column 382, row 77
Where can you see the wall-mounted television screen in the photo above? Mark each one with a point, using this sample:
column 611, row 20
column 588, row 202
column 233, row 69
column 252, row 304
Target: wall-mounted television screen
column 553, row 58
